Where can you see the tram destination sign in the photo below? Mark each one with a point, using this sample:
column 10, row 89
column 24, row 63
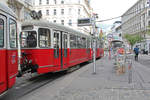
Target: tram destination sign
column 85, row 22
column 27, row 27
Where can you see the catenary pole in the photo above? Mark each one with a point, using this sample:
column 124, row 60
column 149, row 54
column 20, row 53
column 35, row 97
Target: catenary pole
column 94, row 43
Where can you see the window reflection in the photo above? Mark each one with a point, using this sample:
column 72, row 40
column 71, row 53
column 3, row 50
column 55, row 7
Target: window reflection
column 13, row 33
column 1, row 33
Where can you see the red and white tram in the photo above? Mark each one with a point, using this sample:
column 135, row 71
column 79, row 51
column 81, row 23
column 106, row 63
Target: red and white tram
column 8, row 49
column 48, row 47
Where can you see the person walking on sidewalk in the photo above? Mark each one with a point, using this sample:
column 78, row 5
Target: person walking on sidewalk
column 136, row 51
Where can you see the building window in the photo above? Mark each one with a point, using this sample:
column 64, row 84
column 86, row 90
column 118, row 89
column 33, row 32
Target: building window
column 78, row 11
column 70, row 11
column 62, row 11
column 79, row 1
column 70, row 22
column 148, row 23
column 55, row 2
column 40, row 2
column 149, row 13
column 54, row 11
column 62, row 22
column 62, row 1
column 54, row 21
column 47, row 2
column 47, row 12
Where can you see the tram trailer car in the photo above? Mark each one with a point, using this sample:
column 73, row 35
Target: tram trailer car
column 49, row 47
column 99, row 48
column 8, row 49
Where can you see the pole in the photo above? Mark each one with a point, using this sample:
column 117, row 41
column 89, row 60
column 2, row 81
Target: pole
column 94, row 44
column 109, row 52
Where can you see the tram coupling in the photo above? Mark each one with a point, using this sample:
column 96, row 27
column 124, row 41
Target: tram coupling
column 26, row 65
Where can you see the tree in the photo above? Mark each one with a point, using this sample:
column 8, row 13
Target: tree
column 133, row 38
column 148, row 31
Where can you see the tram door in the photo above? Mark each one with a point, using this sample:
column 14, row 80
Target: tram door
column 64, row 51
column 88, row 48
column 3, row 82
column 57, row 49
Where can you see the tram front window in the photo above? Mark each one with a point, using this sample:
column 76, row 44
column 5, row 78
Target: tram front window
column 1, row 33
column 29, row 39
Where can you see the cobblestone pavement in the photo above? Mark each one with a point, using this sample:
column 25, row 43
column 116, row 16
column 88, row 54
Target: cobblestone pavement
column 105, row 85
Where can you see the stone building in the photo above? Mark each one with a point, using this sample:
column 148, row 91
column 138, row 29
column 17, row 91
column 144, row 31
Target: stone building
column 136, row 20
column 65, row 12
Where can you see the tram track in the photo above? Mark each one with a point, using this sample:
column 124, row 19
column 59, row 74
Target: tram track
column 32, row 84
column 38, row 83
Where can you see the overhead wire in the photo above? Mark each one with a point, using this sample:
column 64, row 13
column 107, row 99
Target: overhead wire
column 122, row 15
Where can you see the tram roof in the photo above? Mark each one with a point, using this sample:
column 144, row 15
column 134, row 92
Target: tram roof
column 43, row 23
column 6, row 9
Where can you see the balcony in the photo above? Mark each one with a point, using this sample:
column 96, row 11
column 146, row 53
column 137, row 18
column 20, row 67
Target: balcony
column 25, row 3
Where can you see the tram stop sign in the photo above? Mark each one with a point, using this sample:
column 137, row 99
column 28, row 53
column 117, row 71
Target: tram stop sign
column 85, row 22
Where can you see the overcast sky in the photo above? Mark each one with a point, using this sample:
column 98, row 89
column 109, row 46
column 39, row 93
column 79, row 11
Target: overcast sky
column 111, row 8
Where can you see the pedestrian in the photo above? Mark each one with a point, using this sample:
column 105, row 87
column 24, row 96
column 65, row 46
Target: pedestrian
column 136, row 51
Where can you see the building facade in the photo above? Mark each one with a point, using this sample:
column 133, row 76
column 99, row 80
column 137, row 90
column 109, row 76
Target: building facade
column 116, row 30
column 22, row 9
column 136, row 20
column 65, row 12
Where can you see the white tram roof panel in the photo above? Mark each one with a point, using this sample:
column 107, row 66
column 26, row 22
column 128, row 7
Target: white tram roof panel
column 4, row 8
column 44, row 23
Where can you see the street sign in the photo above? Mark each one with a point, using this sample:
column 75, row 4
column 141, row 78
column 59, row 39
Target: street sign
column 84, row 22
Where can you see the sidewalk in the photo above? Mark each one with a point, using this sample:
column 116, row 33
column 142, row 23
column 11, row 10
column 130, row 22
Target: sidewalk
column 105, row 85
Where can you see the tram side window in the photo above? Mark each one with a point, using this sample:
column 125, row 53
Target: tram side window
column 56, row 44
column 101, row 44
column 13, row 33
column 28, row 39
column 97, row 44
column 1, row 33
column 44, row 38
column 83, row 42
column 88, row 43
column 56, row 40
column 72, row 41
column 79, row 42
column 65, row 41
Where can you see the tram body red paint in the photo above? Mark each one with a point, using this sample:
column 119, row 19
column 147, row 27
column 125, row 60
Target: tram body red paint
column 8, row 49
column 3, row 77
